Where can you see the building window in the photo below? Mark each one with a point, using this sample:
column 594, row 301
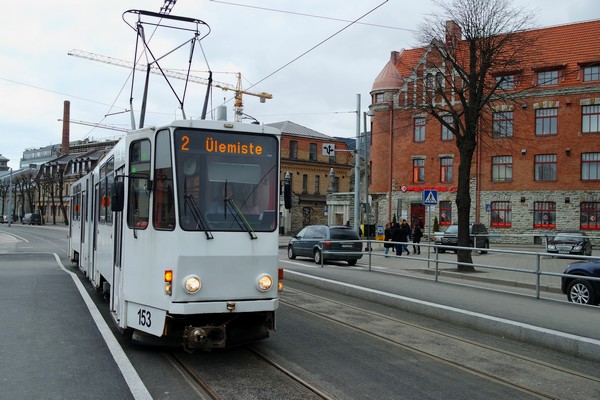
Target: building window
column 544, row 214
column 418, row 170
column 590, row 166
column 446, row 169
column 505, row 82
column 293, row 149
column 546, row 121
column 591, row 73
column 419, row 129
column 445, row 213
column 501, row 168
column 590, row 119
column 547, row 78
column 304, row 183
column 545, row 167
column 447, row 133
column 379, row 98
column 313, row 152
column 590, row 213
column 503, row 124
column 429, row 83
column 317, row 184
column 501, row 215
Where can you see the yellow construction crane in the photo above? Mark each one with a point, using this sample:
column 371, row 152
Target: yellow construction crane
column 237, row 107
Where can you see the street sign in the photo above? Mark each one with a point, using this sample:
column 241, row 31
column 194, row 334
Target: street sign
column 430, row 197
column 329, row 149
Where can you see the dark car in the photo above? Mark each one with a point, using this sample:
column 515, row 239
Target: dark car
column 571, row 242
column 32, row 219
column 341, row 243
column 478, row 233
column 578, row 289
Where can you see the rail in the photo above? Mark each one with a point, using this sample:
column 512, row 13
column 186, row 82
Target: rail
column 531, row 262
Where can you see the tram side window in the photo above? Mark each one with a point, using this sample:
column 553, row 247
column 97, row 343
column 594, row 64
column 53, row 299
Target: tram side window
column 105, row 192
column 163, row 214
column 138, row 210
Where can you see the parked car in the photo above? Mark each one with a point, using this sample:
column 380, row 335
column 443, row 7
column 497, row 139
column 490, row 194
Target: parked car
column 311, row 241
column 478, row 233
column 570, row 242
column 578, row 289
column 32, row 219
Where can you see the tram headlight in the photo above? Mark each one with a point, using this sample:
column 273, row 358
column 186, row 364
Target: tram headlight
column 265, row 282
column 192, row 283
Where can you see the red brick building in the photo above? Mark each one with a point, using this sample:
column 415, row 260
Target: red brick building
column 537, row 164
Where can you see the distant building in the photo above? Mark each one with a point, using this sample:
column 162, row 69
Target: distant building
column 3, row 163
column 309, row 170
column 537, row 166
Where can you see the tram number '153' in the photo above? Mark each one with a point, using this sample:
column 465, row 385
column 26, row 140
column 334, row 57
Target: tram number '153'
column 145, row 318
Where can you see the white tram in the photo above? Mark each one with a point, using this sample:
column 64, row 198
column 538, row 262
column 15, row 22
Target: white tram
column 178, row 227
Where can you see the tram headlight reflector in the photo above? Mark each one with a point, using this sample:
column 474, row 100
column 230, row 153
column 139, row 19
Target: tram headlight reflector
column 265, row 282
column 192, row 283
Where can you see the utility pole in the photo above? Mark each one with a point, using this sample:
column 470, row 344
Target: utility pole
column 10, row 200
column 357, row 169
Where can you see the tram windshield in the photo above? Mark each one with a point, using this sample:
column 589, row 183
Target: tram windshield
column 226, row 181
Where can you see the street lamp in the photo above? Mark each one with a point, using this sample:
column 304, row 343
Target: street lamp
column 10, row 200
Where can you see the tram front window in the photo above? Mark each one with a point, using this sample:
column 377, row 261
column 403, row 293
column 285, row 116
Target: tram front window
column 232, row 187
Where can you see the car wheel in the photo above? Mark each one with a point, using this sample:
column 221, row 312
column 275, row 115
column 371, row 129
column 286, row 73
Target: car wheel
column 317, row 256
column 291, row 254
column 581, row 291
column 351, row 262
column 486, row 245
column 440, row 250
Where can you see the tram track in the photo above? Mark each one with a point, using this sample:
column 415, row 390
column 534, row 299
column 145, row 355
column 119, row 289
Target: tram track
column 270, row 379
column 536, row 377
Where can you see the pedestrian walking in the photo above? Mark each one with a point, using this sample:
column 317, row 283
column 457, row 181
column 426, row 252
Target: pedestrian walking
column 404, row 235
column 387, row 237
column 417, row 235
column 396, row 236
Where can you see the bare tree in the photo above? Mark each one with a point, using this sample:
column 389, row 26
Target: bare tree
column 470, row 43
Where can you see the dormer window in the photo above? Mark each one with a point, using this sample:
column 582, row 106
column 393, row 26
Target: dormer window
column 547, row 78
column 505, row 82
column 591, row 73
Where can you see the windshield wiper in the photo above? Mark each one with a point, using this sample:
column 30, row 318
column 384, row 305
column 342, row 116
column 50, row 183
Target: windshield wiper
column 200, row 221
column 239, row 217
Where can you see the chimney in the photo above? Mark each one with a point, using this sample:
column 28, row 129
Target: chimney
column 453, row 35
column 64, row 148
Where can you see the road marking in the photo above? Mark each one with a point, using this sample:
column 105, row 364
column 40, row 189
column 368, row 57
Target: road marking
column 135, row 383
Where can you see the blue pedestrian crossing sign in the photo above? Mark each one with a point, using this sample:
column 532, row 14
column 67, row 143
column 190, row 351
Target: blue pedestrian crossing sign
column 430, row 197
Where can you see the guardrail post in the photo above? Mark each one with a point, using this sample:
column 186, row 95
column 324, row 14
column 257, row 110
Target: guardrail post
column 370, row 252
column 538, row 275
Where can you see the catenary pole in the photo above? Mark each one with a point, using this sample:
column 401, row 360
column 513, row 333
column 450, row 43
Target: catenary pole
column 357, row 169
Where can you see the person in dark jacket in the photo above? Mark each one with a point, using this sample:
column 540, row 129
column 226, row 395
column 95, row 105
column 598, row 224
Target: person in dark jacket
column 404, row 236
column 387, row 237
column 396, row 234
column 417, row 235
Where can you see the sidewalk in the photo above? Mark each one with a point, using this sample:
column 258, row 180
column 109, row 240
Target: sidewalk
column 492, row 268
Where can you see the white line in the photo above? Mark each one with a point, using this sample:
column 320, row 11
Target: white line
column 137, row 387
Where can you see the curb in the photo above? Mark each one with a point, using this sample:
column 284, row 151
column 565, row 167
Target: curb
column 567, row 343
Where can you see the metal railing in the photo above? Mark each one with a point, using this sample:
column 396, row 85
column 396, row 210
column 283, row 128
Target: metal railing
column 531, row 261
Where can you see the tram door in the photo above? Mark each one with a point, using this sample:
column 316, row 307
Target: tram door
column 94, row 239
column 116, row 294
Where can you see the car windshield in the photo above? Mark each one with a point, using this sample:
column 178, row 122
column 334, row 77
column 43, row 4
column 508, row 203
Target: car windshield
column 569, row 236
column 343, row 234
column 452, row 229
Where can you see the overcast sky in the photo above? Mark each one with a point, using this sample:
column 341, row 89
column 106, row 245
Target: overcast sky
column 267, row 45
